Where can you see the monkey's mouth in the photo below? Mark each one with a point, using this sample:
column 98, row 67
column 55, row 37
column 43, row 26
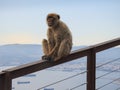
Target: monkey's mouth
column 50, row 23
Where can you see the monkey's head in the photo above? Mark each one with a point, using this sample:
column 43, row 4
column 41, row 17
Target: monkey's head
column 52, row 19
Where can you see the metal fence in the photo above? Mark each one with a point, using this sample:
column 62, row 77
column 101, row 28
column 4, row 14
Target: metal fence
column 6, row 76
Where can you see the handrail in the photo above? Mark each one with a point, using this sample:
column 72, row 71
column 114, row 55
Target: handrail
column 6, row 76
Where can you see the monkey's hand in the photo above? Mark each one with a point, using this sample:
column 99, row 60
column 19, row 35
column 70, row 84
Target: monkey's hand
column 48, row 58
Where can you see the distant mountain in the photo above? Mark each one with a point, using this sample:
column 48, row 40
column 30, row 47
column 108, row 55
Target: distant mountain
column 17, row 54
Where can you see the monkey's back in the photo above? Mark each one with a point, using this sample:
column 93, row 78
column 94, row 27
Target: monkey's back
column 65, row 31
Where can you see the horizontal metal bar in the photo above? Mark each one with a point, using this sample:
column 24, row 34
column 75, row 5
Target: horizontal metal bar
column 107, row 83
column 108, row 62
column 62, row 80
column 78, row 86
column 107, row 73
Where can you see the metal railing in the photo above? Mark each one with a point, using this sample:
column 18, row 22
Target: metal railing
column 108, row 73
column 70, row 77
column 6, row 76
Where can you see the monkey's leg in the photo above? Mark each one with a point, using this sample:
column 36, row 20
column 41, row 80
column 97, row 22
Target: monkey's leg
column 64, row 49
column 45, row 47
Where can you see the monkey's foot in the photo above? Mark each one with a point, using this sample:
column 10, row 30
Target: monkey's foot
column 57, row 58
column 47, row 58
column 44, row 57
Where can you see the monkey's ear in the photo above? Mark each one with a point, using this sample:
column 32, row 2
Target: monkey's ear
column 58, row 16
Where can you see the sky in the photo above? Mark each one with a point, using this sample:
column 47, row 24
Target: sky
column 90, row 21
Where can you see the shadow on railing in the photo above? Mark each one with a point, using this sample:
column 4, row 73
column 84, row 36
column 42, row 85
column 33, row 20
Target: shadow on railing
column 6, row 76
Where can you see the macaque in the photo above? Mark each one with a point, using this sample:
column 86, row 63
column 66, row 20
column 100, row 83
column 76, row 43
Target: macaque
column 59, row 42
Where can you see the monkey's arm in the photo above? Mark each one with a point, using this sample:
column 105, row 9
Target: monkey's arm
column 51, row 42
column 54, row 51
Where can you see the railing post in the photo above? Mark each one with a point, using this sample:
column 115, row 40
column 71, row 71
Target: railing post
column 2, row 82
column 7, row 81
column 91, row 70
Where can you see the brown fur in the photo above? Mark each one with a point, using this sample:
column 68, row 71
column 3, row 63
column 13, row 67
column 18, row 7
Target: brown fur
column 59, row 41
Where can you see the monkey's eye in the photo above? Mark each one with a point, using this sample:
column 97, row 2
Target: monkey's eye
column 50, row 17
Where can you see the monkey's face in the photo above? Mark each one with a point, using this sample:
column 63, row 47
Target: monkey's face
column 52, row 20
